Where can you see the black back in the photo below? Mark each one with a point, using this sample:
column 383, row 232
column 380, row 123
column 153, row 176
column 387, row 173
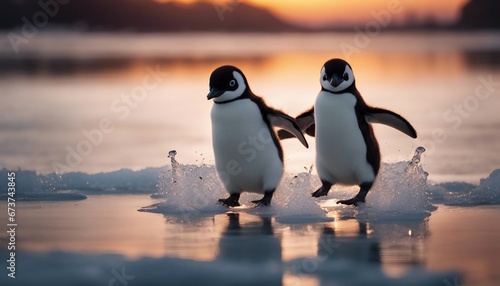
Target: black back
column 372, row 147
column 264, row 110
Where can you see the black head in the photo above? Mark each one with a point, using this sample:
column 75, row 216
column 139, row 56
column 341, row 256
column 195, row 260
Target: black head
column 336, row 76
column 227, row 83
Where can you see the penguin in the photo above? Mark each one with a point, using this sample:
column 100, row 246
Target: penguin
column 347, row 151
column 248, row 154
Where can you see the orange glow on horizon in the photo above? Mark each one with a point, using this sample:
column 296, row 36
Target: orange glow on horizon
column 324, row 11
column 320, row 12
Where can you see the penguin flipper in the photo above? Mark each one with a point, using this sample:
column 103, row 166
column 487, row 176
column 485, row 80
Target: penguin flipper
column 392, row 119
column 306, row 123
column 288, row 125
column 283, row 134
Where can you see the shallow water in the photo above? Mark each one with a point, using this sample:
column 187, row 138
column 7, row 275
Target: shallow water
column 456, row 239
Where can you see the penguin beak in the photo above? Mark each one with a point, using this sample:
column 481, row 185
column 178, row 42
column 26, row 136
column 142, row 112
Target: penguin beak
column 214, row 93
column 336, row 80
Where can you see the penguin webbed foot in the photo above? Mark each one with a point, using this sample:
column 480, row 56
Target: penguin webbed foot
column 265, row 201
column 228, row 203
column 319, row 193
column 360, row 197
column 353, row 201
column 261, row 202
column 323, row 191
column 231, row 201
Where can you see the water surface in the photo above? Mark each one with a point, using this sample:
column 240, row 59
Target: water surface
column 452, row 238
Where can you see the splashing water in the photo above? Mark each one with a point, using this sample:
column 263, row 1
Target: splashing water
column 295, row 204
column 399, row 192
column 193, row 191
column 164, row 185
column 189, row 190
column 173, row 162
column 292, row 201
column 415, row 161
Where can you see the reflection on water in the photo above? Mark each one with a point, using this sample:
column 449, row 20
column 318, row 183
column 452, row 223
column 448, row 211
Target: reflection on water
column 100, row 224
column 361, row 247
column 309, row 254
column 403, row 244
column 59, row 87
column 391, row 248
column 184, row 240
column 67, row 67
column 106, row 66
column 250, row 243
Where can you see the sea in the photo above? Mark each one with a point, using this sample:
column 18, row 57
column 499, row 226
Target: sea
column 104, row 108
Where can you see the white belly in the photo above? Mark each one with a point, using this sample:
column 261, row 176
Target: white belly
column 340, row 146
column 246, row 158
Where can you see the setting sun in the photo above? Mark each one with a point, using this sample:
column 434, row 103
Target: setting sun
column 321, row 12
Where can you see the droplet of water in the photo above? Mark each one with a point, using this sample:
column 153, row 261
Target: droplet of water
column 173, row 162
column 172, row 153
column 418, row 153
column 416, row 159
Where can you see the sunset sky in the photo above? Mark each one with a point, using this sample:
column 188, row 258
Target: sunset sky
column 317, row 12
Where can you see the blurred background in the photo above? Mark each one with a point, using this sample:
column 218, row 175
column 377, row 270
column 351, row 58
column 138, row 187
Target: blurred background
column 96, row 86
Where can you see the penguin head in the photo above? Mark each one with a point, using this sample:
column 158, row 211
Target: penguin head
column 227, row 83
column 336, row 75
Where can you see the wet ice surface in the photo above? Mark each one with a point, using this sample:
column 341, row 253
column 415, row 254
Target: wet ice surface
column 154, row 248
column 236, row 248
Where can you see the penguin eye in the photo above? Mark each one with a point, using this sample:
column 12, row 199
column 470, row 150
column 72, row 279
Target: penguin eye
column 346, row 76
column 232, row 82
column 324, row 77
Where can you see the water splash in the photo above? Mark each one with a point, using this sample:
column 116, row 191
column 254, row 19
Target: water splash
column 189, row 190
column 173, row 162
column 292, row 202
column 415, row 161
column 168, row 178
column 295, row 204
column 193, row 191
column 399, row 192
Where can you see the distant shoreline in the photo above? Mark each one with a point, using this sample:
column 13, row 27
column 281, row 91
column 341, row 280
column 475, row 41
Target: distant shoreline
column 149, row 16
